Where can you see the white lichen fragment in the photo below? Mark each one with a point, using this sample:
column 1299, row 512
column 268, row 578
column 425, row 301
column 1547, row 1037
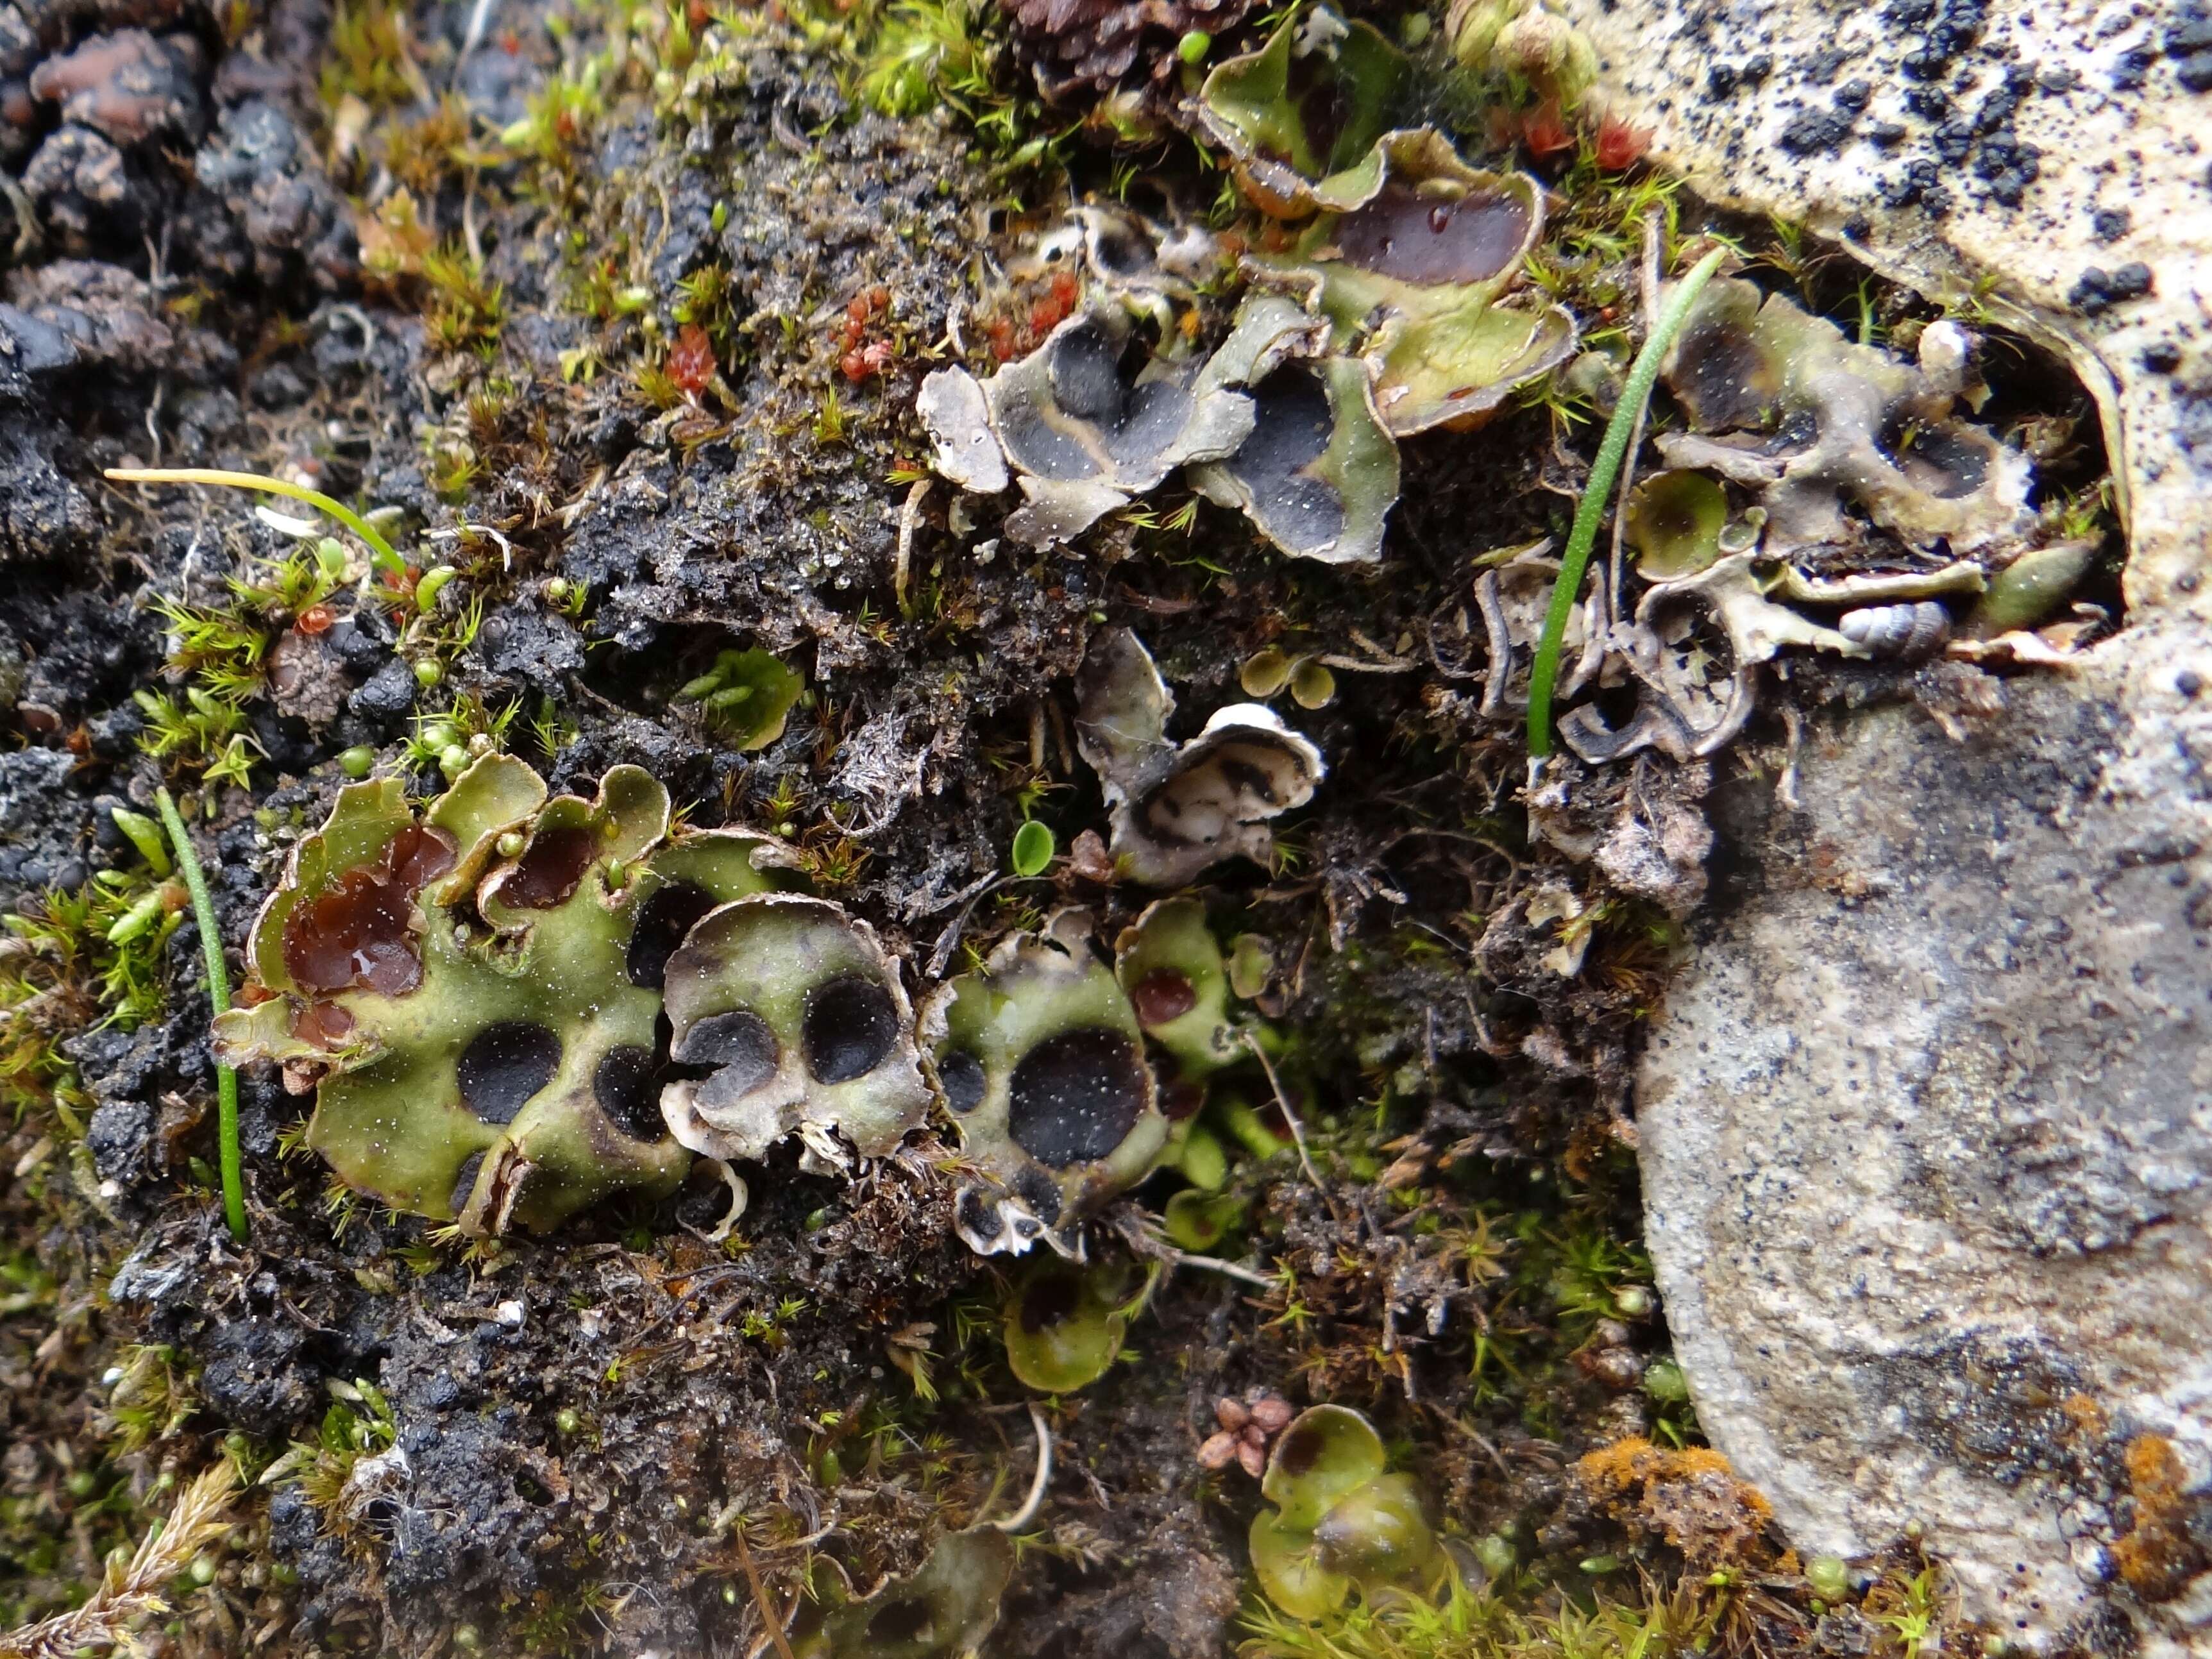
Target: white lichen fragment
column 1175, row 811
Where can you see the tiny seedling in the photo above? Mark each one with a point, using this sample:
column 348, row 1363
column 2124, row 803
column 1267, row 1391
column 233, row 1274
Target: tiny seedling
column 387, row 562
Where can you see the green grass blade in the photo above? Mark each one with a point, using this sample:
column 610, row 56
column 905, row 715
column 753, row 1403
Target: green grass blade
column 225, row 1080
column 379, row 548
column 1589, row 512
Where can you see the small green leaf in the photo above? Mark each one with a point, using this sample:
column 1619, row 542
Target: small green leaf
column 431, row 584
column 145, row 834
column 1198, row 1221
column 1033, row 846
column 1326, row 1455
column 1063, row 1325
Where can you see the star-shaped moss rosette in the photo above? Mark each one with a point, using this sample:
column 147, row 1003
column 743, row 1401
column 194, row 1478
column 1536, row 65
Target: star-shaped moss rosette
column 474, row 992
column 792, row 1022
column 1041, row 1062
column 1411, row 259
column 1340, row 1521
column 1082, row 429
column 1815, row 426
column 1319, row 474
column 1308, row 104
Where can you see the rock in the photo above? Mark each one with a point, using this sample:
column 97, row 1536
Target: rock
column 128, row 85
column 388, row 694
column 2040, row 161
column 1928, row 1170
column 113, row 322
column 1926, row 1150
column 275, row 192
column 42, row 515
column 86, row 189
column 117, row 1138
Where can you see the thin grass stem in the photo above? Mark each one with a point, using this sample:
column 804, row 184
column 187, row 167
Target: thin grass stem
column 380, row 549
column 225, row 1080
column 1589, row 512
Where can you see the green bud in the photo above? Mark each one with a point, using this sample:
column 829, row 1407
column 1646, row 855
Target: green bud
column 1264, row 672
column 1249, row 1129
column 427, row 673
column 356, row 761
column 1203, row 1162
column 1830, row 1575
column 718, row 220
column 1663, row 1381
column 331, row 557
column 453, row 761
column 1378, row 1533
column 1496, row 1554
column 81, row 1483
column 1251, row 964
column 1289, row 1571
column 1312, row 686
column 2026, row 591
column 202, row 1569
column 1198, row 1222
column 568, row 1420
column 1063, row 1325
column 511, row 844
column 1193, row 46
column 141, row 918
column 1598, row 1566
column 431, row 584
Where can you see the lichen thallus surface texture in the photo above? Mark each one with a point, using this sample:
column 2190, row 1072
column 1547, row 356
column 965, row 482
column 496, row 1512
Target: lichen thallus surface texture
column 798, row 451
column 509, row 1007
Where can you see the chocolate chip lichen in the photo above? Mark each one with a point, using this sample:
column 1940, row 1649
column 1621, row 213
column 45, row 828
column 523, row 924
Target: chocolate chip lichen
column 790, row 1020
column 1178, row 810
column 475, row 994
column 1041, row 1064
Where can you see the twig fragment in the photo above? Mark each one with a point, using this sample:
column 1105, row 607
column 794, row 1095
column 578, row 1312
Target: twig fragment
column 1283, row 1104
